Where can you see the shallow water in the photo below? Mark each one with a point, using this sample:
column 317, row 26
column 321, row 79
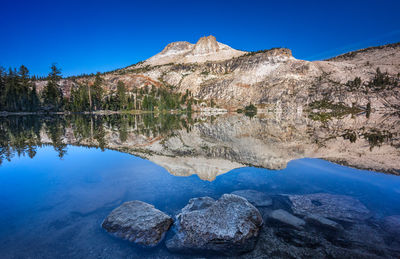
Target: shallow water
column 53, row 208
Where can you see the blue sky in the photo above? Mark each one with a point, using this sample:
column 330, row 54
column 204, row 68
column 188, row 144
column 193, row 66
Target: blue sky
column 89, row 36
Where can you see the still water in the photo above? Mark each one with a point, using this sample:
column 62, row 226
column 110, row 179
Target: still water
column 60, row 177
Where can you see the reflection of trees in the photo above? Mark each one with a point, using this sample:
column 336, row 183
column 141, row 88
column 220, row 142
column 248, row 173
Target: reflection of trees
column 376, row 137
column 100, row 134
column 20, row 135
column 56, row 132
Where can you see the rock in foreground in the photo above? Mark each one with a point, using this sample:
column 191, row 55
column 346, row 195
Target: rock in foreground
column 138, row 222
column 337, row 207
column 228, row 226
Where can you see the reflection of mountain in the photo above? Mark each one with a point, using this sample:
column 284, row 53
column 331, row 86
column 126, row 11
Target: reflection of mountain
column 272, row 142
column 209, row 146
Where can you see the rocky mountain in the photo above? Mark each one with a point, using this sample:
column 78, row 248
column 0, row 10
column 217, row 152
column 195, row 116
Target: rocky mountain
column 271, row 79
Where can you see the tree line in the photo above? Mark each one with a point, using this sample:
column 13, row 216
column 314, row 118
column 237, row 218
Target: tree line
column 18, row 93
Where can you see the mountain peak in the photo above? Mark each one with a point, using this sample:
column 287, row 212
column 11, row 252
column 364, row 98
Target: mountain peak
column 206, row 45
column 210, row 38
column 207, row 48
column 177, row 47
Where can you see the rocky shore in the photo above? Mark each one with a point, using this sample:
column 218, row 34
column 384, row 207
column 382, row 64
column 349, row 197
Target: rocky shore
column 252, row 224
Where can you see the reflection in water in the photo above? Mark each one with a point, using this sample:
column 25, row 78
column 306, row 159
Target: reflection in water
column 21, row 135
column 211, row 145
column 53, row 208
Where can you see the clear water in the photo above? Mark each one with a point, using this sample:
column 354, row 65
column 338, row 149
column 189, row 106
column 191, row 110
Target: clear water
column 53, row 208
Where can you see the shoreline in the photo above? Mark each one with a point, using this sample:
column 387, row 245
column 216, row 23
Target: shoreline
column 109, row 112
column 206, row 111
column 102, row 112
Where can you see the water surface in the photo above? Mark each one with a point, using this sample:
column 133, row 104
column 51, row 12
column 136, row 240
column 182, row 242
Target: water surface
column 60, row 177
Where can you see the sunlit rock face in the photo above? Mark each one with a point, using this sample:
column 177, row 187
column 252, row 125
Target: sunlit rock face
column 271, row 79
column 213, row 145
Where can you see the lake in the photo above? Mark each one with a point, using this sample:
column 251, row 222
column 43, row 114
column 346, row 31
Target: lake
column 60, row 176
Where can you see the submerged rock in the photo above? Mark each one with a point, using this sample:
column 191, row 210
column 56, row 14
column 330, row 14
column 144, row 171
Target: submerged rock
column 369, row 238
column 391, row 225
column 227, row 226
column 285, row 218
column 358, row 240
column 256, row 198
column 323, row 222
column 138, row 222
column 338, row 207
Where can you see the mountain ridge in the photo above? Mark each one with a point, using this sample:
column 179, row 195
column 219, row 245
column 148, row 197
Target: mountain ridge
column 214, row 73
column 354, row 52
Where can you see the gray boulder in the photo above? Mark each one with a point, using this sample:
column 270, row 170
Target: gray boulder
column 228, row 226
column 285, row 218
column 138, row 222
column 337, row 207
column 256, row 198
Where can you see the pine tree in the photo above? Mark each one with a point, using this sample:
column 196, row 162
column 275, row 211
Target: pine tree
column 121, row 96
column 52, row 94
column 34, row 99
column 27, row 97
column 97, row 93
column 11, row 102
column 79, row 100
column 3, row 76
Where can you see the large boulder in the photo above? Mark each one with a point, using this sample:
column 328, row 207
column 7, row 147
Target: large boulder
column 258, row 199
column 138, row 222
column 228, row 226
column 336, row 207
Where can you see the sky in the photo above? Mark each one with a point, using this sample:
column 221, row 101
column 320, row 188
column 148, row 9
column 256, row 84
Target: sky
column 91, row 36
